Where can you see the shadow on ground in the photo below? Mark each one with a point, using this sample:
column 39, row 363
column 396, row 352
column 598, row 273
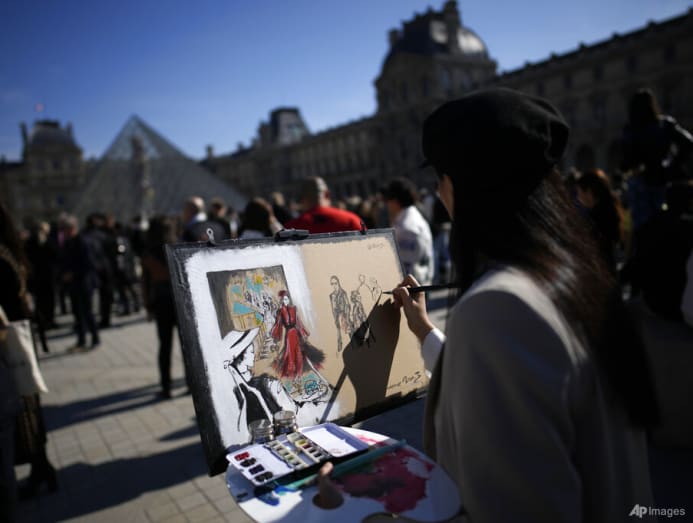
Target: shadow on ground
column 192, row 430
column 59, row 416
column 91, row 488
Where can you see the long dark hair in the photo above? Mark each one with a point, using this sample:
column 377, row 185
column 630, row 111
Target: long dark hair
column 257, row 217
column 545, row 237
column 162, row 231
column 9, row 236
column 643, row 108
column 607, row 211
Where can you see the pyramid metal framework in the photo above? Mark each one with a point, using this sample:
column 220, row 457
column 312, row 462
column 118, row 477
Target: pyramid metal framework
column 143, row 173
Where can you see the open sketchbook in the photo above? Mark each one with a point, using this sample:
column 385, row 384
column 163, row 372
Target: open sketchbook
column 298, row 325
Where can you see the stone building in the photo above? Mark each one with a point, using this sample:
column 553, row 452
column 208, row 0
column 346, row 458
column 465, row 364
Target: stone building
column 140, row 174
column 434, row 57
column 44, row 183
column 592, row 85
column 431, row 58
column 280, row 156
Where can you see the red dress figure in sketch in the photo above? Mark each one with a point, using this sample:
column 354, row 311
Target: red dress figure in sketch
column 297, row 356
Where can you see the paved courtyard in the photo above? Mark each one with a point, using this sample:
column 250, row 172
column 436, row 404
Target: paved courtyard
column 124, row 455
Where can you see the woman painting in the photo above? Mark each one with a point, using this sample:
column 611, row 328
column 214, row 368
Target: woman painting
column 297, row 357
column 540, row 390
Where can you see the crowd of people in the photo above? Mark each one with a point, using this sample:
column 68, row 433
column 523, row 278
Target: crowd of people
column 570, row 245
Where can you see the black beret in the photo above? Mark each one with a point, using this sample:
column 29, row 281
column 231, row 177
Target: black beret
column 495, row 140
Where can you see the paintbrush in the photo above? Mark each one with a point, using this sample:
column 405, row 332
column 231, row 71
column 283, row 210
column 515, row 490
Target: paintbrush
column 426, row 288
column 347, row 466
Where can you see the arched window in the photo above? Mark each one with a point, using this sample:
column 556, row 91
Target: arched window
column 446, row 81
column 425, row 88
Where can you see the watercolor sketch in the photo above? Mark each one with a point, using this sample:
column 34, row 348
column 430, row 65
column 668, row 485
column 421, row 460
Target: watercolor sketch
column 298, row 361
column 257, row 303
column 291, row 325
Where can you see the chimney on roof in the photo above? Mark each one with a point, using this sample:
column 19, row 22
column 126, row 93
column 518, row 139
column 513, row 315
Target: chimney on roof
column 210, row 152
column 393, row 36
column 25, row 134
column 453, row 22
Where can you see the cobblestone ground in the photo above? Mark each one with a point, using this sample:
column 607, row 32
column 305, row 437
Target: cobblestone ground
column 121, row 453
column 124, row 455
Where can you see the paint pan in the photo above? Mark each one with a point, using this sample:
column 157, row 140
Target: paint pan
column 261, row 464
column 333, row 440
column 300, row 452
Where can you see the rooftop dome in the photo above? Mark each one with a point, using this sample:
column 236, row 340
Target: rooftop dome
column 470, row 43
column 429, row 34
column 49, row 132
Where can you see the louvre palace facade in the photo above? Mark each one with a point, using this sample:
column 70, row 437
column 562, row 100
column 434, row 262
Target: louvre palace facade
column 434, row 57
column 47, row 179
column 431, row 58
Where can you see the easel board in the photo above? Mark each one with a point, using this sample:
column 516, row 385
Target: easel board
column 297, row 324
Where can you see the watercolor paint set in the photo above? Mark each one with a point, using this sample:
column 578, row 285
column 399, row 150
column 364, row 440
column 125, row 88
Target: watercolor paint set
column 295, row 453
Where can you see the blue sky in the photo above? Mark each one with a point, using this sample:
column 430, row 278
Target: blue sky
column 208, row 72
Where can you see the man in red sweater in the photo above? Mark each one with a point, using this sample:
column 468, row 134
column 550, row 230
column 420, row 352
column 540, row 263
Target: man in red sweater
column 318, row 216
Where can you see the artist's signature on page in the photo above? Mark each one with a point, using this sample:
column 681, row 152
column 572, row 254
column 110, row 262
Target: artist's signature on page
column 407, row 380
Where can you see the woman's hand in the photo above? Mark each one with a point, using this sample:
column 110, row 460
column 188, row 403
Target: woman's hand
column 414, row 306
column 329, row 496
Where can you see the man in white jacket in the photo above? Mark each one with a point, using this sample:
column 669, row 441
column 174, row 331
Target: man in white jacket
column 412, row 231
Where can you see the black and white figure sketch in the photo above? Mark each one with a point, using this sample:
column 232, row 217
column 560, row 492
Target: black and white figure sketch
column 350, row 311
column 340, row 311
column 361, row 329
column 375, row 289
column 358, row 315
column 257, row 396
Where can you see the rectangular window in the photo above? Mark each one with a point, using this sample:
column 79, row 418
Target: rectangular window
column 598, row 72
column 632, row 64
column 599, row 111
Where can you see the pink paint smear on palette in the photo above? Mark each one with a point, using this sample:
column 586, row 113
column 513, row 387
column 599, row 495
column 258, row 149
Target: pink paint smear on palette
column 397, row 480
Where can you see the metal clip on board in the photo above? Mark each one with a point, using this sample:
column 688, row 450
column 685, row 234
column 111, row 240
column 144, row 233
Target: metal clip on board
column 210, row 238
